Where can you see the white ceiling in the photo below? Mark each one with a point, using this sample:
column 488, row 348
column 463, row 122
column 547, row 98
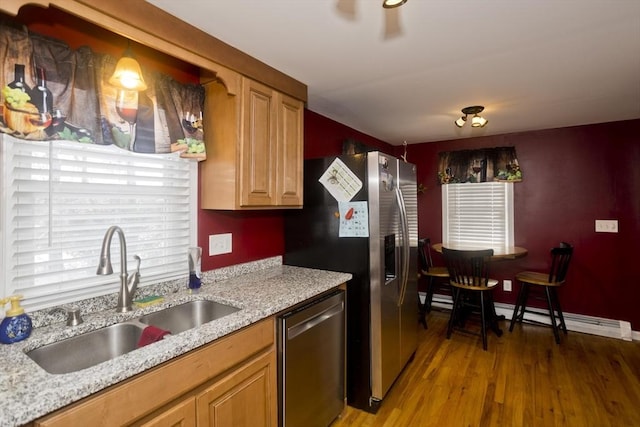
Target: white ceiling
column 405, row 74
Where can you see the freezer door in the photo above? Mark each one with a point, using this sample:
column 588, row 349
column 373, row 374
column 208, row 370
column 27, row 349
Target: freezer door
column 409, row 308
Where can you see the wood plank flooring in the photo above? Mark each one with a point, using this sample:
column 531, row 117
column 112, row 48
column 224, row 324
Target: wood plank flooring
column 524, row 379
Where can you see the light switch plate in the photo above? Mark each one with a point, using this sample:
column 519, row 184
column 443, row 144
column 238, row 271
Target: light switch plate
column 606, row 225
column 220, row 244
column 506, row 285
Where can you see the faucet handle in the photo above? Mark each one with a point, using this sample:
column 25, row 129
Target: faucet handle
column 134, row 278
column 138, row 260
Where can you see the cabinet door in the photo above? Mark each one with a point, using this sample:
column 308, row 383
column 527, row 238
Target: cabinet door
column 182, row 414
column 258, row 145
column 244, row 398
column 290, row 151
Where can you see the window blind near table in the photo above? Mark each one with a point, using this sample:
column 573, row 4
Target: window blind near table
column 60, row 197
column 479, row 214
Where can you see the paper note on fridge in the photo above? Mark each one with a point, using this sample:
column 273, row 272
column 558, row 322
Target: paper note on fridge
column 354, row 219
column 340, row 181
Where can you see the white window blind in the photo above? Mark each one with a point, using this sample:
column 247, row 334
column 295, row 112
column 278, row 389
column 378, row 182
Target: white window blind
column 478, row 214
column 60, row 197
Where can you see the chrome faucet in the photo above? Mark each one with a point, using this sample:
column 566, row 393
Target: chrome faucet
column 128, row 284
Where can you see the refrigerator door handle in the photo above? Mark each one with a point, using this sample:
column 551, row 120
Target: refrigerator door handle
column 405, row 246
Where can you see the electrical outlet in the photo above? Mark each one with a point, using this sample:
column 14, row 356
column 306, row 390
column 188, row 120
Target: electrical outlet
column 606, row 225
column 220, row 244
column 506, row 285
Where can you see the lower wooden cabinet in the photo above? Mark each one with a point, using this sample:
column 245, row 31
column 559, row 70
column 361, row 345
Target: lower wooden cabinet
column 229, row 382
column 181, row 414
column 242, row 399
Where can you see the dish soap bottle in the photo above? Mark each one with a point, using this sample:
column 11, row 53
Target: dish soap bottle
column 195, row 274
column 16, row 326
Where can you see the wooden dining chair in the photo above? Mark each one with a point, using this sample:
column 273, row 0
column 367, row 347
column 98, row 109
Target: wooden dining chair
column 472, row 288
column 437, row 278
column 546, row 284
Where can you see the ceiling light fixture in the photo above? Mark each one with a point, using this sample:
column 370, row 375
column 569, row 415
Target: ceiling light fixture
column 476, row 121
column 128, row 74
column 390, row 4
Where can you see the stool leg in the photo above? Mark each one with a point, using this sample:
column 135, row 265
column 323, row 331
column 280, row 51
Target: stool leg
column 483, row 323
column 454, row 310
column 521, row 302
column 430, row 292
column 556, row 300
column 554, row 325
column 422, row 313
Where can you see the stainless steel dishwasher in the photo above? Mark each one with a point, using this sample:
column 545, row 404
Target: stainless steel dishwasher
column 311, row 362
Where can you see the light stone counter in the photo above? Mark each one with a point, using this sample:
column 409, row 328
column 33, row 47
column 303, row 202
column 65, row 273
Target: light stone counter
column 261, row 289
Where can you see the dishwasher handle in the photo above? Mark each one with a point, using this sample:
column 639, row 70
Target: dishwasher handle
column 314, row 320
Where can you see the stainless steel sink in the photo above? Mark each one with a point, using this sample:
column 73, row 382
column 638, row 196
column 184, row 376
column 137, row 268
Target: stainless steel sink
column 86, row 350
column 92, row 348
column 186, row 316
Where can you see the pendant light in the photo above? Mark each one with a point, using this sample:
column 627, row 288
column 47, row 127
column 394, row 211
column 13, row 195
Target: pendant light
column 128, row 74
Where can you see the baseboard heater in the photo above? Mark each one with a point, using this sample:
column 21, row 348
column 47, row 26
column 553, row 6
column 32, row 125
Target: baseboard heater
column 611, row 328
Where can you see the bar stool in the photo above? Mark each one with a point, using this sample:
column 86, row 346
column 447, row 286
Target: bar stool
column 469, row 278
column 560, row 258
column 438, row 278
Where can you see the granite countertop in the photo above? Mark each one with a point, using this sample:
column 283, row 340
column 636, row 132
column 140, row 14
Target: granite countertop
column 259, row 289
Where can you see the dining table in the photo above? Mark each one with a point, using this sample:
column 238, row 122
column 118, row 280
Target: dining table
column 499, row 252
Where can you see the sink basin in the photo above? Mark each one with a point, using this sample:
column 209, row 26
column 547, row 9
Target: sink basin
column 186, row 316
column 86, row 350
column 92, row 348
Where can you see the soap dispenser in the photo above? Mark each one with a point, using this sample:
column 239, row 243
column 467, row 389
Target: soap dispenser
column 195, row 274
column 16, row 326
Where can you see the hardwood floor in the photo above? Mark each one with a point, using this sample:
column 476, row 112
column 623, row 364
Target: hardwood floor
column 524, row 379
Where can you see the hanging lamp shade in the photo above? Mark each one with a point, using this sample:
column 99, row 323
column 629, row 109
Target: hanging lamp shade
column 478, row 121
column 461, row 121
column 128, row 74
column 390, row 4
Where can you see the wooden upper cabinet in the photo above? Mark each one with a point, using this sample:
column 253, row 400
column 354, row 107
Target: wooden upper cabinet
column 254, row 148
column 258, row 139
column 290, row 151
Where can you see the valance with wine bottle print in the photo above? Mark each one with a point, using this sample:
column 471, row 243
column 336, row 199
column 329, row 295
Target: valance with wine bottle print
column 482, row 165
column 50, row 91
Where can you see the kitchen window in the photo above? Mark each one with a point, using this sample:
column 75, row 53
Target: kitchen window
column 478, row 214
column 59, row 198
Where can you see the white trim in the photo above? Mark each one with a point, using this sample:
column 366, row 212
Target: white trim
column 620, row 329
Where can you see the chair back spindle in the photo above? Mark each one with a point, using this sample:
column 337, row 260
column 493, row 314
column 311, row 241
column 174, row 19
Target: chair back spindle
column 560, row 258
column 468, row 268
column 424, row 251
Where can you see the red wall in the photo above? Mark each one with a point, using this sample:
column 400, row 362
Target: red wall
column 323, row 137
column 572, row 176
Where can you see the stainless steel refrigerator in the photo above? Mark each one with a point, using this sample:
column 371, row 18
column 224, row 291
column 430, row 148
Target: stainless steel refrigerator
column 360, row 216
